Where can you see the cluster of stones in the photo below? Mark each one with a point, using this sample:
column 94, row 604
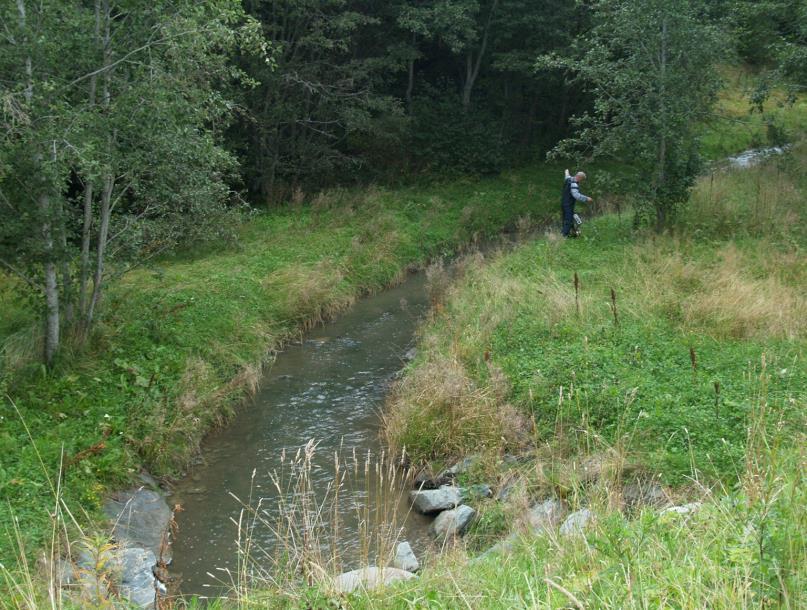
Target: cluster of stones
column 140, row 519
column 441, row 498
column 552, row 516
column 436, row 496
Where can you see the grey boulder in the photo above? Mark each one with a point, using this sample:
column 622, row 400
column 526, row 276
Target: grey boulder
column 137, row 582
column 140, row 517
column 643, row 493
column 686, row 509
column 576, row 522
column 503, row 547
column 369, row 578
column 545, row 515
column 480, row 490
column 405, row 558
column 452, row 522
column 460, row 467
column 428, row 501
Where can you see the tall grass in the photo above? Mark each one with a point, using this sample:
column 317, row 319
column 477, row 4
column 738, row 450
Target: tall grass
column 309, row 544
column 744, row 548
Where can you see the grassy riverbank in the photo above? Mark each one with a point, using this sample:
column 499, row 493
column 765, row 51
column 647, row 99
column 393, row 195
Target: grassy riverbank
column 736, row 125
column 691, row 372
column 182, row 343
column 656, row 326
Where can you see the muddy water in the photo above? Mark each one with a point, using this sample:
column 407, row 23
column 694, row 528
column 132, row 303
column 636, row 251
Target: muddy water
column 329, row 389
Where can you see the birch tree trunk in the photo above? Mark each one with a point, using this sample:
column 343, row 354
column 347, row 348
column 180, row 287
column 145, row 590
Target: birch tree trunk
column 44, row 207
column 51, row 284
column 86, row 226
column 109, row 177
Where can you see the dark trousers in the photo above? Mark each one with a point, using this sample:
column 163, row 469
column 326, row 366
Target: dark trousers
column 568, row 218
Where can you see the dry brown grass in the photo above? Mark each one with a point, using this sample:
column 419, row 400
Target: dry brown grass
column 737, row 305
column 310, row 294
column 439, row 410
column 729, row 298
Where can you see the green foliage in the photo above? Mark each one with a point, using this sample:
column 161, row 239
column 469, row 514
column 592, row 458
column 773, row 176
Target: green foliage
column 445, row 139
column 650, row 66
column 116, row 152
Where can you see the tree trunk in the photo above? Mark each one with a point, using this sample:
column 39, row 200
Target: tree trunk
column 410, row 85
column 51, row 287
column 108, row 180
column 51, row 283
column 469, row 81
column 471, row 67
column 661, row 215
column 86, row 233
column 67, row 280
column 86, row 226
column 103, row 236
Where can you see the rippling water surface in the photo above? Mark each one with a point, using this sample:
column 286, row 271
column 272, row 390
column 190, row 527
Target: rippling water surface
column 328, row 389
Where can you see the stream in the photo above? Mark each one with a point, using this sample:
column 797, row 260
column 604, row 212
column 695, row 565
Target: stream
column 329, row 388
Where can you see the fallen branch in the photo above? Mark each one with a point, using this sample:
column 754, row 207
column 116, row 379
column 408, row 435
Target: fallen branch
column 577, row 603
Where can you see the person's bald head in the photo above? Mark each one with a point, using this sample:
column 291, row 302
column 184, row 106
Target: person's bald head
column 580, row 176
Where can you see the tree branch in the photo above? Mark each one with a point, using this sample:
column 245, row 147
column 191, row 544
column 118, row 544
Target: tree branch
column 124, row 58
column 31, row 283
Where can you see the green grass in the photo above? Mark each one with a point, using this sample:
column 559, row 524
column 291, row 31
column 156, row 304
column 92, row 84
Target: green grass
column 181, row 343
column 624, row 393
column 735, row 128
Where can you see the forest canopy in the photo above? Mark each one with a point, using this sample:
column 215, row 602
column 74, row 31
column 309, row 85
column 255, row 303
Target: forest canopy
column 132, row 128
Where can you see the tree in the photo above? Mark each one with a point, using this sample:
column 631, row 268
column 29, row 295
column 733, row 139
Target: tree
column 111, row 157
column 464, row 26
column 649, row 67
column 318, row 94
column 772, row 36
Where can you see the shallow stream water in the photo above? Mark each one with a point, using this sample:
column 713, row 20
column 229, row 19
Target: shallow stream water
column 328, row 389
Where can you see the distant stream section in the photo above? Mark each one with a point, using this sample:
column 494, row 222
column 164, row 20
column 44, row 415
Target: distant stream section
column 754, row 156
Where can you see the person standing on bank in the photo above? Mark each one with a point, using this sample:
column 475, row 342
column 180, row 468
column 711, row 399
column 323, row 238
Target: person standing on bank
column 571, row 193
